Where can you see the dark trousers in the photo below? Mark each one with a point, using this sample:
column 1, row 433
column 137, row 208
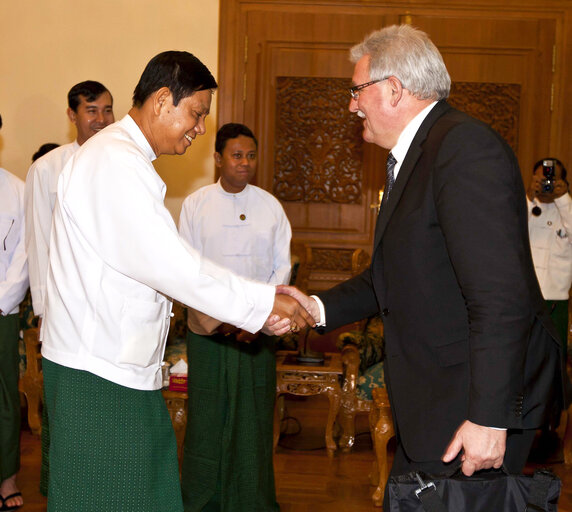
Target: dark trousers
column 9, row 397
column 559, row 314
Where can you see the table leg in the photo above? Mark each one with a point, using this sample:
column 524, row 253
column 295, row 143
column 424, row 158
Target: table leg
column 334, row 397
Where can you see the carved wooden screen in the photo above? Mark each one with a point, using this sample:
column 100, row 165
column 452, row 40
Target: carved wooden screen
column 495, row 104
column 318, row 145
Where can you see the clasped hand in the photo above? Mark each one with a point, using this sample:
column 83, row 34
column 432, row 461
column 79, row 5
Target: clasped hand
column 292, row 311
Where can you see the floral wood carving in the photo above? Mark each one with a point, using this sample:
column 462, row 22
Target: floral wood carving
column 496, row 104
column 332, row 259
column 319, row 148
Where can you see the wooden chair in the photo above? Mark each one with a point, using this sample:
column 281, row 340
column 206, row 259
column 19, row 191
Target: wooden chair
column 362, row 354
column 31, row 382
column 362, row 358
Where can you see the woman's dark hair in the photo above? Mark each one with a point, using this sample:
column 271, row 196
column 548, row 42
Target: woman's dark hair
column 181, row 72
column 43, row 149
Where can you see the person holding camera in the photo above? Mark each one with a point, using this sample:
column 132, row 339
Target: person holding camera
column 550, row 230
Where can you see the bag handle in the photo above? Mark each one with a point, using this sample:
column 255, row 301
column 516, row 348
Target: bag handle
column 541, row 480
column 427, row 494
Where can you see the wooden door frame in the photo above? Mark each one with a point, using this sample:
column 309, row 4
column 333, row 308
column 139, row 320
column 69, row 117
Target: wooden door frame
column 233, row 43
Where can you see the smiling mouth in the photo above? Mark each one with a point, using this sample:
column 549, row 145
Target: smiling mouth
column 188, row 137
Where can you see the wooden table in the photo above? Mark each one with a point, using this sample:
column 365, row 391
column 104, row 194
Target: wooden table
column 307, row 380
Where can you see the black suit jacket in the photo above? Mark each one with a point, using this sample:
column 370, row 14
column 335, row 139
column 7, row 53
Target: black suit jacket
column 452, row 275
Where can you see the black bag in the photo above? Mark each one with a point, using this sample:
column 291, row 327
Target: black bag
column 486, row 491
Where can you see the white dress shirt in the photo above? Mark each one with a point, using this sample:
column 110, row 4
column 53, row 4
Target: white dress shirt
column 13, row 267
column 116, row 260
column 40, row 198
column 551, row 244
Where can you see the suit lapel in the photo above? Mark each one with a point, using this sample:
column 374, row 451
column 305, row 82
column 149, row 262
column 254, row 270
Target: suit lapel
column 406, row 169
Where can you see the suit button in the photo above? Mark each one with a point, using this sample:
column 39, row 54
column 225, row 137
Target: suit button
column 385, row 312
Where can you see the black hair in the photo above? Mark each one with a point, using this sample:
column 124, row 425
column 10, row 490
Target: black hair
column 43, row 149
column 0, row 121
column 232, row 131
column 558, row 162
column 89, row 89
column 181, row 72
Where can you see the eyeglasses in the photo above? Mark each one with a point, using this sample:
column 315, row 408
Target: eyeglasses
column 354, row 91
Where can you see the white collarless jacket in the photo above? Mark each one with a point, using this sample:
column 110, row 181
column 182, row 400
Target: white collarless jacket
column 116, row 261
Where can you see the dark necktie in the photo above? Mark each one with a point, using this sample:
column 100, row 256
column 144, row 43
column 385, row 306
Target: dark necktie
column 389, row 178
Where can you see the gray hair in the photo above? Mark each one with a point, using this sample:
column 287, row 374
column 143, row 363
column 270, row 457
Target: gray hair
column 408, row 54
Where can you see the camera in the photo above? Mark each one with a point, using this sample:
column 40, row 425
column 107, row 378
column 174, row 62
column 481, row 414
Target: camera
column 548, row 169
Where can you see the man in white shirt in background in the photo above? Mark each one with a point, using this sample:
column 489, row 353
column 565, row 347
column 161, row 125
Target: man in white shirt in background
column 90, row 109
column 232, row 384
column 550, row 230
column 13, row 287
column 116, row 262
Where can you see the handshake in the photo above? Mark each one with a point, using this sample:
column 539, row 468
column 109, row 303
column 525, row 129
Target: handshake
column 292, row 311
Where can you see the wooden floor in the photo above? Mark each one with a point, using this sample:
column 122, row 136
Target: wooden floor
column 306, row 479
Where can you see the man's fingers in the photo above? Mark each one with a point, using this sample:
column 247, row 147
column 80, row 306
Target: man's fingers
column 302, row 317
column 453, row 449
column 468, row 468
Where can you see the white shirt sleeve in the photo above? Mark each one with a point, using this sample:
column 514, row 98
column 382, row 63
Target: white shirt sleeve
column 282, row 257
column 38, row 226
column 564, row 205
column 13, row 287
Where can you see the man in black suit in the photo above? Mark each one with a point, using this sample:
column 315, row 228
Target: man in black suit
column 470, row 364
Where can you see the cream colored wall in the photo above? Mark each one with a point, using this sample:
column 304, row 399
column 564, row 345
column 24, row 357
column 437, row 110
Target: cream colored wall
column 48, row 46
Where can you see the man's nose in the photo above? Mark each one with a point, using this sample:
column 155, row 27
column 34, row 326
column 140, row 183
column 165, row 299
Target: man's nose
column 200, row 127
column 353, row 106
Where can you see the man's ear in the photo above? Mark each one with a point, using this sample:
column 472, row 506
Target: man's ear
column 72, row 115
column 162, row 99
column 217, row 159
column 396, row 90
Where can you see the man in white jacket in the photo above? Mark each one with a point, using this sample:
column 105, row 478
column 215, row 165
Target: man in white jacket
column 13, row 286
column 232, row 374
column 116, row 261
column 90, row 109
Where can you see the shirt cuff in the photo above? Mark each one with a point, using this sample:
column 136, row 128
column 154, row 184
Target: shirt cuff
column 322, row 309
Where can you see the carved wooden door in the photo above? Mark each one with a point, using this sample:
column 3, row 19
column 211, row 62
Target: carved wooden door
column 313, row 158
column 286, row 75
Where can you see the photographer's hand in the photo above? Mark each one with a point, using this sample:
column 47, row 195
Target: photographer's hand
column 560, row 188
